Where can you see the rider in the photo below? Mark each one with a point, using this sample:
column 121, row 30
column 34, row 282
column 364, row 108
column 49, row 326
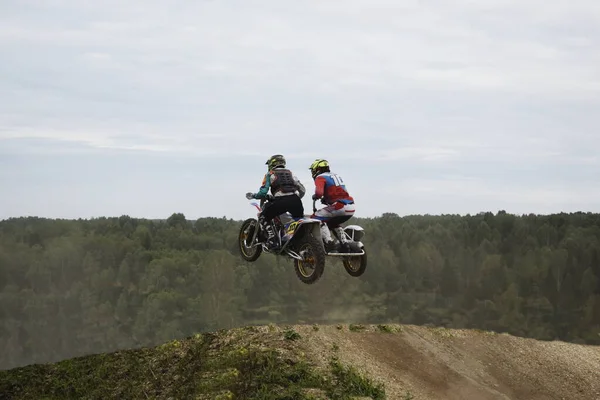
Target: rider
column 330, row 188
column 287, row 192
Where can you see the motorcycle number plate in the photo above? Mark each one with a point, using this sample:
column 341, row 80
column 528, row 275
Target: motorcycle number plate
column 292, row 228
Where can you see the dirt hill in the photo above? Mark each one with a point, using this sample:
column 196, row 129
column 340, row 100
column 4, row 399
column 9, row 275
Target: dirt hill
column 321, row 362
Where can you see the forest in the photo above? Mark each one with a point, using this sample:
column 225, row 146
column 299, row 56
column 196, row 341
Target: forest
column 76, row 287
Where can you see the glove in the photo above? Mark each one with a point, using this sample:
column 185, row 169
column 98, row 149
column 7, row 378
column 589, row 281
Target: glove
column 316, row 197
column 249, row 195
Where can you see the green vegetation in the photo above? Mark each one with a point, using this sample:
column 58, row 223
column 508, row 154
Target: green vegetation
column 74, row 287
column 349, row 382
column 291, row 334
column 356, row 327
column 224, row 365
column 168, row 370
column 387, row 328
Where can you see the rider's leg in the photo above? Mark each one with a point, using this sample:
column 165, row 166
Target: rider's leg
column 267, row 226
column 294, row 206
column 325, row 232
column 340, row 214
column 271, row 210
column 324, row 214
column 294, row 210
column 341, row 236
column 278, row 206
column 334, row 225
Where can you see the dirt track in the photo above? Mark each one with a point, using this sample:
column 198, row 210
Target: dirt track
column 438, row 363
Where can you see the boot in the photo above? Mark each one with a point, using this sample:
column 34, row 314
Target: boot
column 344, row 245
column 328, row 242
column 271, row 238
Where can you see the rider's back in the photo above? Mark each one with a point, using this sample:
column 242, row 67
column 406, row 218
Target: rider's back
column 282, row 182
column 334, row 188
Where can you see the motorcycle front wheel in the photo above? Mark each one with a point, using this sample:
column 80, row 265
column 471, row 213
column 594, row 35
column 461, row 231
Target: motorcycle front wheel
column 248, row 252
column 311, row 268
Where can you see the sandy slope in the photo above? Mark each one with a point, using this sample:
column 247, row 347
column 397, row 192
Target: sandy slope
column 412, row 362
column 438, row 363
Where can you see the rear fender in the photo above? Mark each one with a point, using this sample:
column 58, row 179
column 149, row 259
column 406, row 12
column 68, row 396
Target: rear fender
column 301, row 227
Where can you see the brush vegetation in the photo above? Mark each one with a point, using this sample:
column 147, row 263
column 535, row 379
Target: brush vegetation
column 244, row 363
column 74, row 287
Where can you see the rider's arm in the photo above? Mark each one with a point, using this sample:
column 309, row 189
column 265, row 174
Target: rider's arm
column 301, row 188
column 319, row 187
column 264, row 189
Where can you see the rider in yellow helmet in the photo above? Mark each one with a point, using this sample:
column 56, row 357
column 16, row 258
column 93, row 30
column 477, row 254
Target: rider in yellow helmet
column 339, row 205
column 287, row 192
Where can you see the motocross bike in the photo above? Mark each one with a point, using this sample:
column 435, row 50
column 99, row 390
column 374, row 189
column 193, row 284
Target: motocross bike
column 355, row 261
column 298, row 239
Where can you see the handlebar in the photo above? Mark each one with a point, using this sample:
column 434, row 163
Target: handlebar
column 268, row 197
column 264, row 199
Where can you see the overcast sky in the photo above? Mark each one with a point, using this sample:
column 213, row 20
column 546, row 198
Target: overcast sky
column 152, row 107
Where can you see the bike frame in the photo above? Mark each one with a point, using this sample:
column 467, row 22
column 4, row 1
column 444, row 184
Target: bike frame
column 298, row 225
column 352, row 232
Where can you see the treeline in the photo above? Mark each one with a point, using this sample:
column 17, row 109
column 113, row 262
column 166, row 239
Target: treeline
column 74, row 287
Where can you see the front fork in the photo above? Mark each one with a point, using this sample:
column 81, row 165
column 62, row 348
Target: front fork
column 256, row 229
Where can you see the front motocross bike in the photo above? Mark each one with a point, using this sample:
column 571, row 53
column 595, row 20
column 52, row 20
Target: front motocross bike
column 299, row 239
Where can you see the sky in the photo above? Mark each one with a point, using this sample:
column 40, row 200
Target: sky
column 147, row 108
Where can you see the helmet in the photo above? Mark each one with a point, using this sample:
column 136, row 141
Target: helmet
column 276, row 160
column 318, row 166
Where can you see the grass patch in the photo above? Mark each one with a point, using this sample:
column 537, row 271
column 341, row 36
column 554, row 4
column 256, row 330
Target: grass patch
column 388, row 329
column 265, row 375
column 484, row 332
column 349, row 382
column 226, row 365
column 290, row 334
column 169, row 370
column 441, row 331
column 356, row 327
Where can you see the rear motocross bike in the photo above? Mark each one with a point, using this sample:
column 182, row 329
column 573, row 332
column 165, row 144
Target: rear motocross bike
column 354, row 260
column 299, row 239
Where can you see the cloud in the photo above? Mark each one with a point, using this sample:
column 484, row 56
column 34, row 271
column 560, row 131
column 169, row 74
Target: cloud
column 500, row 91
column 421, row 153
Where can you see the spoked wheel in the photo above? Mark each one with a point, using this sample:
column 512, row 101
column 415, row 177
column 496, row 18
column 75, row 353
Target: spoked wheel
column 248, row 252
column 311, row 268
column 356, row 265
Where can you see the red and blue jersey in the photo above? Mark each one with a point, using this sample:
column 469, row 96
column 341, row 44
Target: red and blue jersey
column 331, row 187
